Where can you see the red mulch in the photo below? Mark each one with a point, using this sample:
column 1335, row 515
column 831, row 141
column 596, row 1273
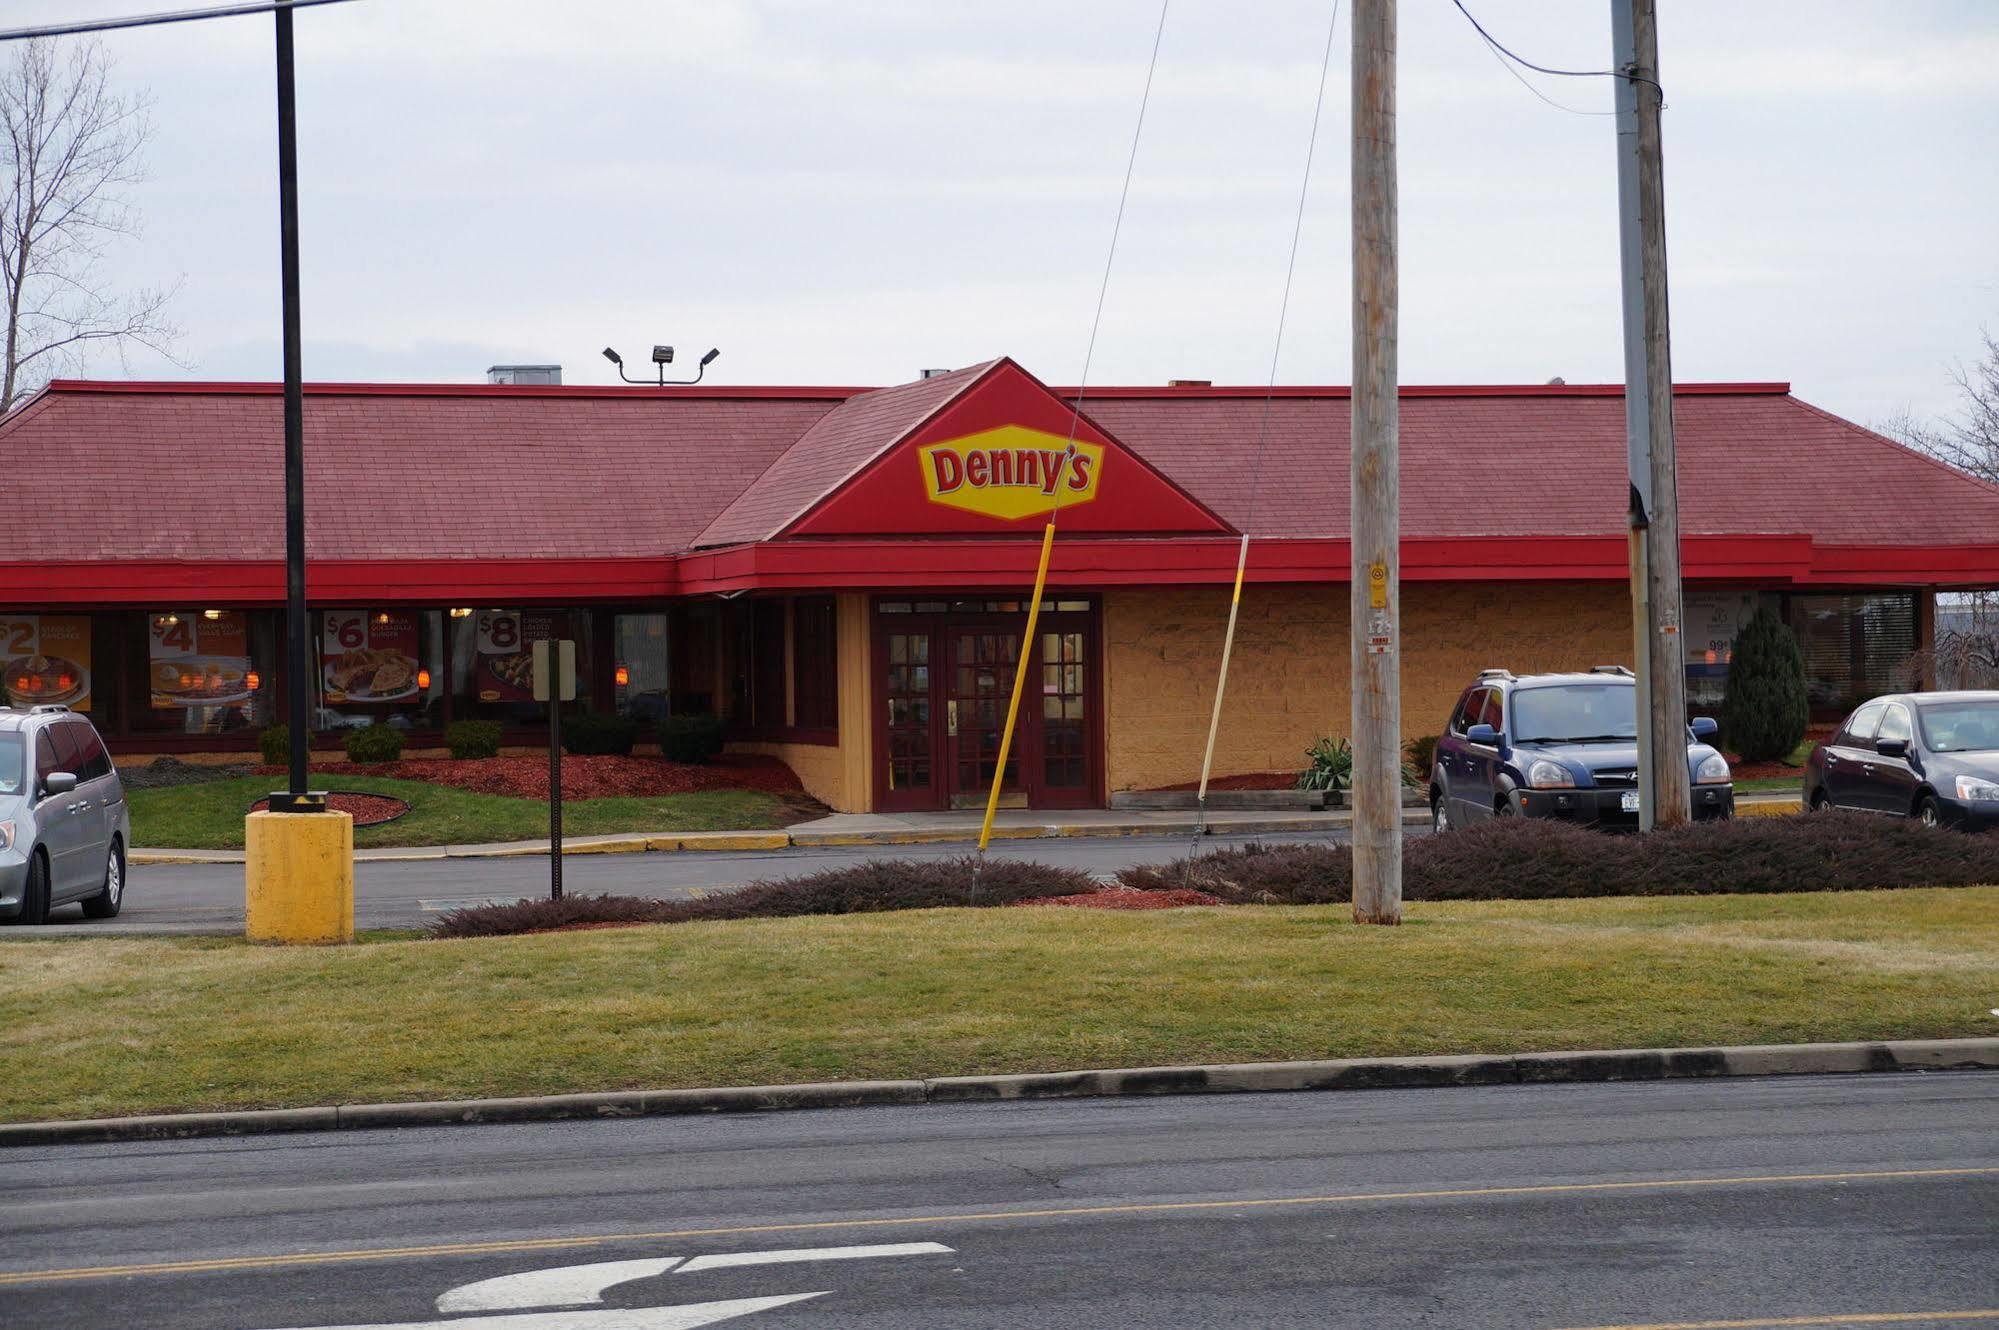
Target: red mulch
column 1129, row 898
column 367, row 810
column 1253, row 780
column 591, row 777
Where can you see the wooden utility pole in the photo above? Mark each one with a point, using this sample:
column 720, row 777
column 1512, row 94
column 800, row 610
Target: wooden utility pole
column 1374, row 567
column 1665, row 799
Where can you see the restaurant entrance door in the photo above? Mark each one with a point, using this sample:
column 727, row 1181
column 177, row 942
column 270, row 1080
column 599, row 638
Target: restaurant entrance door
column 944, row 672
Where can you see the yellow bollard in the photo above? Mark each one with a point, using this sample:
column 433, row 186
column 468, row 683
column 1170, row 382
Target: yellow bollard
column 298, row 877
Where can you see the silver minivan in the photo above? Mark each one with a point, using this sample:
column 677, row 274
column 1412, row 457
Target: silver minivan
column 63, row 821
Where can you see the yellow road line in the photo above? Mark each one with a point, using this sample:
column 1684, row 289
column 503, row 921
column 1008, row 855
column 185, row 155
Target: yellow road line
column 970, row 1217
column 1834, row 1318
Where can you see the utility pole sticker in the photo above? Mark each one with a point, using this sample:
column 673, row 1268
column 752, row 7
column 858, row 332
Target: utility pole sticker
column 1380, row 631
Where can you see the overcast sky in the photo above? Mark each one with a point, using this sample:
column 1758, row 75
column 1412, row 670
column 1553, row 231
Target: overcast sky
column 848, row 193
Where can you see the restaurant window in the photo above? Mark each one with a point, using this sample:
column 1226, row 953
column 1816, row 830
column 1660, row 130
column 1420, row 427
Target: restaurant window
column 1854, row 646
column 45, row 659
column 815, row 667
column 492, row 662
column 207, row 672
column 768, row 665
column 640, row 672
column 378, row 666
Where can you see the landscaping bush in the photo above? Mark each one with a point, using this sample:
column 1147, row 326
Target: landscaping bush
column 865, row 888
column 376, row 744
column 1422, row 752
column 169, row 772
column 1329, row 766
column 472, row 738
column 275, row 743
column 695, row 738
column 595, row 735
column 1765, row 709
column 1532, row 859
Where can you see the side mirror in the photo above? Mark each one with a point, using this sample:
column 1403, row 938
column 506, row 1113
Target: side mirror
column 59, row 782
column 1483, row 734
column 1892, row 747
column 1704, row 727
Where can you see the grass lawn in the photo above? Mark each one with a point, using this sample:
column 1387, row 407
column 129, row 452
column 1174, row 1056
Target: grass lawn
column 210, row 816
column 106, row 1026
column 1786, row 784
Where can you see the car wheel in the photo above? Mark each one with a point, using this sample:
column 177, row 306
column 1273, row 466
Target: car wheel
column 105, row 904
column 1505, row 808
column 1821, row 801
column 35, row 895
column 1440, row 816
column 1928, row 811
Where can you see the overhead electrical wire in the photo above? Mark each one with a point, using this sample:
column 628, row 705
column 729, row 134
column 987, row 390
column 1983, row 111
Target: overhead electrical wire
column 1263, row 429
column 154, row 20
column 1500, row 49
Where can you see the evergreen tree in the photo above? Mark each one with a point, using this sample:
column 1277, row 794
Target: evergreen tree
column 1765, row 710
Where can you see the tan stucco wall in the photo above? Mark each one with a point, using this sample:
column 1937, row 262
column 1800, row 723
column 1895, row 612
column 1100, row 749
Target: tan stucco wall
column 1288, row 681
column 839, row 775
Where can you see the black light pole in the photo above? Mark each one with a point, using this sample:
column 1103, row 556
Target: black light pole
column 298, row 660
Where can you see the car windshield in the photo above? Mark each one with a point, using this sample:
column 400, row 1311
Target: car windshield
column 1575, row 713
column 1960, row 727
column 10, row 763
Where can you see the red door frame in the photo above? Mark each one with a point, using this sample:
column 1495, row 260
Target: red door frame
column 1027, row 745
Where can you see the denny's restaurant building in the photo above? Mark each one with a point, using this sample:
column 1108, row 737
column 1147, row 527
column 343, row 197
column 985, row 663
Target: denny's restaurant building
column 840, row 572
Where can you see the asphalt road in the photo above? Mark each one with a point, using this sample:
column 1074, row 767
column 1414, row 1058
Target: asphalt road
column 208, row 898
column 1501, row 1208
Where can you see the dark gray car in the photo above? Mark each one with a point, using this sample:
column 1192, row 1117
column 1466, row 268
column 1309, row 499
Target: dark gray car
column 64, row 827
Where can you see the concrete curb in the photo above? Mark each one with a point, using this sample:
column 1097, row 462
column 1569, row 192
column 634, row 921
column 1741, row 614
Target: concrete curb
column 741, row 841
column 1627, row 1064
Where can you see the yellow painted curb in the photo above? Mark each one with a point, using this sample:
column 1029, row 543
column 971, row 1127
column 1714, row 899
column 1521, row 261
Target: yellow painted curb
column 629, row 845
column 138, row 857
column 721, row 840
column 1788, row 808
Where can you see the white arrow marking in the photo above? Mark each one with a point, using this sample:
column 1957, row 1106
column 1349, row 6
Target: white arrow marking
column 684, row 1317
column 564, row 1286
column 728, row 1260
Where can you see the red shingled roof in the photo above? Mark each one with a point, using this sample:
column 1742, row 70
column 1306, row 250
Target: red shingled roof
column 192, row 472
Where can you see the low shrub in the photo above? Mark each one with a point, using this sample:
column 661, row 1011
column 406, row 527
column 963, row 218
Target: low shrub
column 472, row 738
column 1329, row 766
column 375, row 744
column 865, row 888
column 695, row 738
column 275, row 743
column 591, row 734
column 1766, row 709
column 166, row 772
column 1532, row 859
column 1422, row 753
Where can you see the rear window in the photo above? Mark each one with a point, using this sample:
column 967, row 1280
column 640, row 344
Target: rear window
column 13, row 766
column 1960, row 727
column 1865, row 721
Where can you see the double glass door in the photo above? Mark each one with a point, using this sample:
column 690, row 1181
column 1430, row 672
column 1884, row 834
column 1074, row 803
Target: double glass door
column 946, row 671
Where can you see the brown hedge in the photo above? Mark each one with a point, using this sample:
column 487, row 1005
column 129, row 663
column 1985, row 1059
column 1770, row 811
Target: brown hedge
column 1528, row 859
column 876, row 885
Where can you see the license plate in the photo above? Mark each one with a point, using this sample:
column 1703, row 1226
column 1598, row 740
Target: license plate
column 1630, row 801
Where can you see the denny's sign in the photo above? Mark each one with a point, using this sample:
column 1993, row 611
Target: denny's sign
column 1011, row 472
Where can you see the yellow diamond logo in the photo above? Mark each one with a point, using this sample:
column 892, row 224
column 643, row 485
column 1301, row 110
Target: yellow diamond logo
column 1011, row 472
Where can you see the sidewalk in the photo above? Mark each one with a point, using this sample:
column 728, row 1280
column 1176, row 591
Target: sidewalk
column 960, row 827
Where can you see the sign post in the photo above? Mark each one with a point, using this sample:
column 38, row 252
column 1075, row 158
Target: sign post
column 555, row 683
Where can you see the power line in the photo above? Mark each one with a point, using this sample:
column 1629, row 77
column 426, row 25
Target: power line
column 154, row 20
column 1525, row 63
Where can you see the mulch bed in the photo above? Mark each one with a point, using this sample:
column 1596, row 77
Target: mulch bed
column 1253, row 780
column 367, row 810
column 1129, row 898
column 583, row 777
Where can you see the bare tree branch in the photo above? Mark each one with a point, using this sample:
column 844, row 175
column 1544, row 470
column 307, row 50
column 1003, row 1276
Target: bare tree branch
column 71, row 148
column 1969, row 440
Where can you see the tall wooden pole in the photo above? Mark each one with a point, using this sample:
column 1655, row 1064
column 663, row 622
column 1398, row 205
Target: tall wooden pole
column 1375, row 569
column 1665, row 799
